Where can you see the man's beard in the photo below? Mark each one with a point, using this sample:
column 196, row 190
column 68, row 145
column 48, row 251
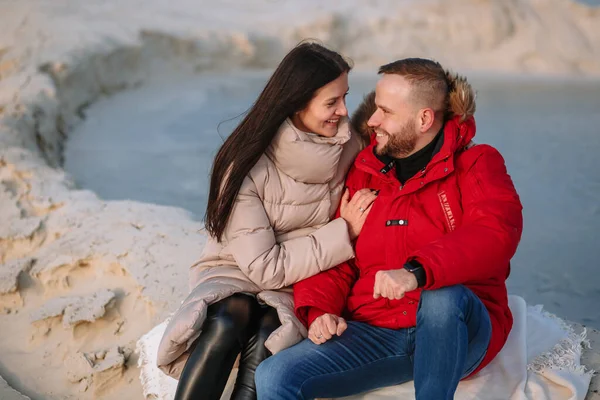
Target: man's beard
column 400, row 144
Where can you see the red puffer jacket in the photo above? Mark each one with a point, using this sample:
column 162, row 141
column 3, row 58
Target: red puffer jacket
column 460, row 217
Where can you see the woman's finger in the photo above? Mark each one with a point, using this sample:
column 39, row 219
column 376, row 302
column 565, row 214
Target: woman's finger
column 367, row 211
column 345, row 197
column 367, row 200
column 357, row 198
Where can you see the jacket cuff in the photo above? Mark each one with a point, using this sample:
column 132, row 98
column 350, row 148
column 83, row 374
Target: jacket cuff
column 430, row 278
column 335, row 243
column 416, row 268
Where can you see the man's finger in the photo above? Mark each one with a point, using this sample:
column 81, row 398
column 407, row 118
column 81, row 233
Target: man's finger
column 313, row 338
column 323, row 329
column 388, row 291
column 322, row 338
column 317, row 337
column 315, row 328
column 330, row 328
column 342, row 326
column 398, row 294
column 376, row 290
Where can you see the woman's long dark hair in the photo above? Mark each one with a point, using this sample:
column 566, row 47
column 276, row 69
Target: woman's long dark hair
column 305, row 69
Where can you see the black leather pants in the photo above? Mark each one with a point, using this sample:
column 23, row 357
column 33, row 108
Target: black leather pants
column 237, row 324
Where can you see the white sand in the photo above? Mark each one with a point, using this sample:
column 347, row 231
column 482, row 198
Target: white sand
column 82, row 279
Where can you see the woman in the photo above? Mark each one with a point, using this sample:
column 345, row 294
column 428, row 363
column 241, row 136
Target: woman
column 276, row 183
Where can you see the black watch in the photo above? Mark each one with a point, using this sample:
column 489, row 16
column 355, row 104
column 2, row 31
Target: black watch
column 418, row 271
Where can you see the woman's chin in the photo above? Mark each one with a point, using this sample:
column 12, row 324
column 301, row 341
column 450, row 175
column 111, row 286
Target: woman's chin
column 329, row 130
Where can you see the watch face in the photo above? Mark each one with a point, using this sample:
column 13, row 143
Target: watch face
column 410, row 268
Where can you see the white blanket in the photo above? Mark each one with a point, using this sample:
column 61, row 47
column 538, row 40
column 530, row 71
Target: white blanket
column 541, row 360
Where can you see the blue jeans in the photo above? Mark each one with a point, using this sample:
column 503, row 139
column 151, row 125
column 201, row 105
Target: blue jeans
column 449, row 342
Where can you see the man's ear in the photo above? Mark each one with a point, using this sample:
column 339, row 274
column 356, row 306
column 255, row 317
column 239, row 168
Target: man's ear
column 425, row 119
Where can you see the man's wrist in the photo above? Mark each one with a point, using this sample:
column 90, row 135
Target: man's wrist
column 415, row 268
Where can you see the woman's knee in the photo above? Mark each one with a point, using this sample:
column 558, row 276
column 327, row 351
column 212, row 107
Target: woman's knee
column 240, row 308
column 228, row 320
column 268, row 324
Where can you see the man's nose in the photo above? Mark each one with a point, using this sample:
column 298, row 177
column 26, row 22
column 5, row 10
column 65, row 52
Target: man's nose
column 373, row 122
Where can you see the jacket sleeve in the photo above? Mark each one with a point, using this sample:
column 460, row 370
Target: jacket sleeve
column 481, row 248
column 271, row 265
column 325, row 293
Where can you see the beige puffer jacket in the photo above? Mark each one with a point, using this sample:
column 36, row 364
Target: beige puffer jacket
column 280, row 232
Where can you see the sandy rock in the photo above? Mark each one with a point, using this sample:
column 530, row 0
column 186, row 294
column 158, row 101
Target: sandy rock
column 78, row 366
column 591, row 359
column 10, row 303
column 9, row 273
column 76, row 309
column 99, row 370
column 10, row 298
column 108, row 239
column 83, row 386
column 109, row 370
column 21, row 229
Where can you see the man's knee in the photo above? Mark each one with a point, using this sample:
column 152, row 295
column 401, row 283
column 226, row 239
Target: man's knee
column 270, row 376
column 443, row 305
column 283, row 375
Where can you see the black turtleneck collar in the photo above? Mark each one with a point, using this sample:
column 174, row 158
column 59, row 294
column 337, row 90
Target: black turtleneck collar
column 407, row 167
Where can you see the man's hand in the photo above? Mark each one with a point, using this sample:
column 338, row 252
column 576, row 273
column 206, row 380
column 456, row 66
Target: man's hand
column 324, row 327
column 393, row 284
column 355, row 211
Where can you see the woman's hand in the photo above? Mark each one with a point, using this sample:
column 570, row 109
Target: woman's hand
column 355, row 211
column 324, row 327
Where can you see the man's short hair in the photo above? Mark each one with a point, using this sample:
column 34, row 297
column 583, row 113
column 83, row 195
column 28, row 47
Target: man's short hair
column 428, row 79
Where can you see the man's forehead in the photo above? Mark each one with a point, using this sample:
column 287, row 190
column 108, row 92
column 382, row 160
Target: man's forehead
column 393, row 84
column 391, row 89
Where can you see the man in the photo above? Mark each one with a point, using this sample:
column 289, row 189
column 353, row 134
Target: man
column 425, row 296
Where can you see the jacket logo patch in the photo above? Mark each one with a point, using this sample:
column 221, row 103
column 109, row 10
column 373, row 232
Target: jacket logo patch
column 395, row 222
column 447, row 210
